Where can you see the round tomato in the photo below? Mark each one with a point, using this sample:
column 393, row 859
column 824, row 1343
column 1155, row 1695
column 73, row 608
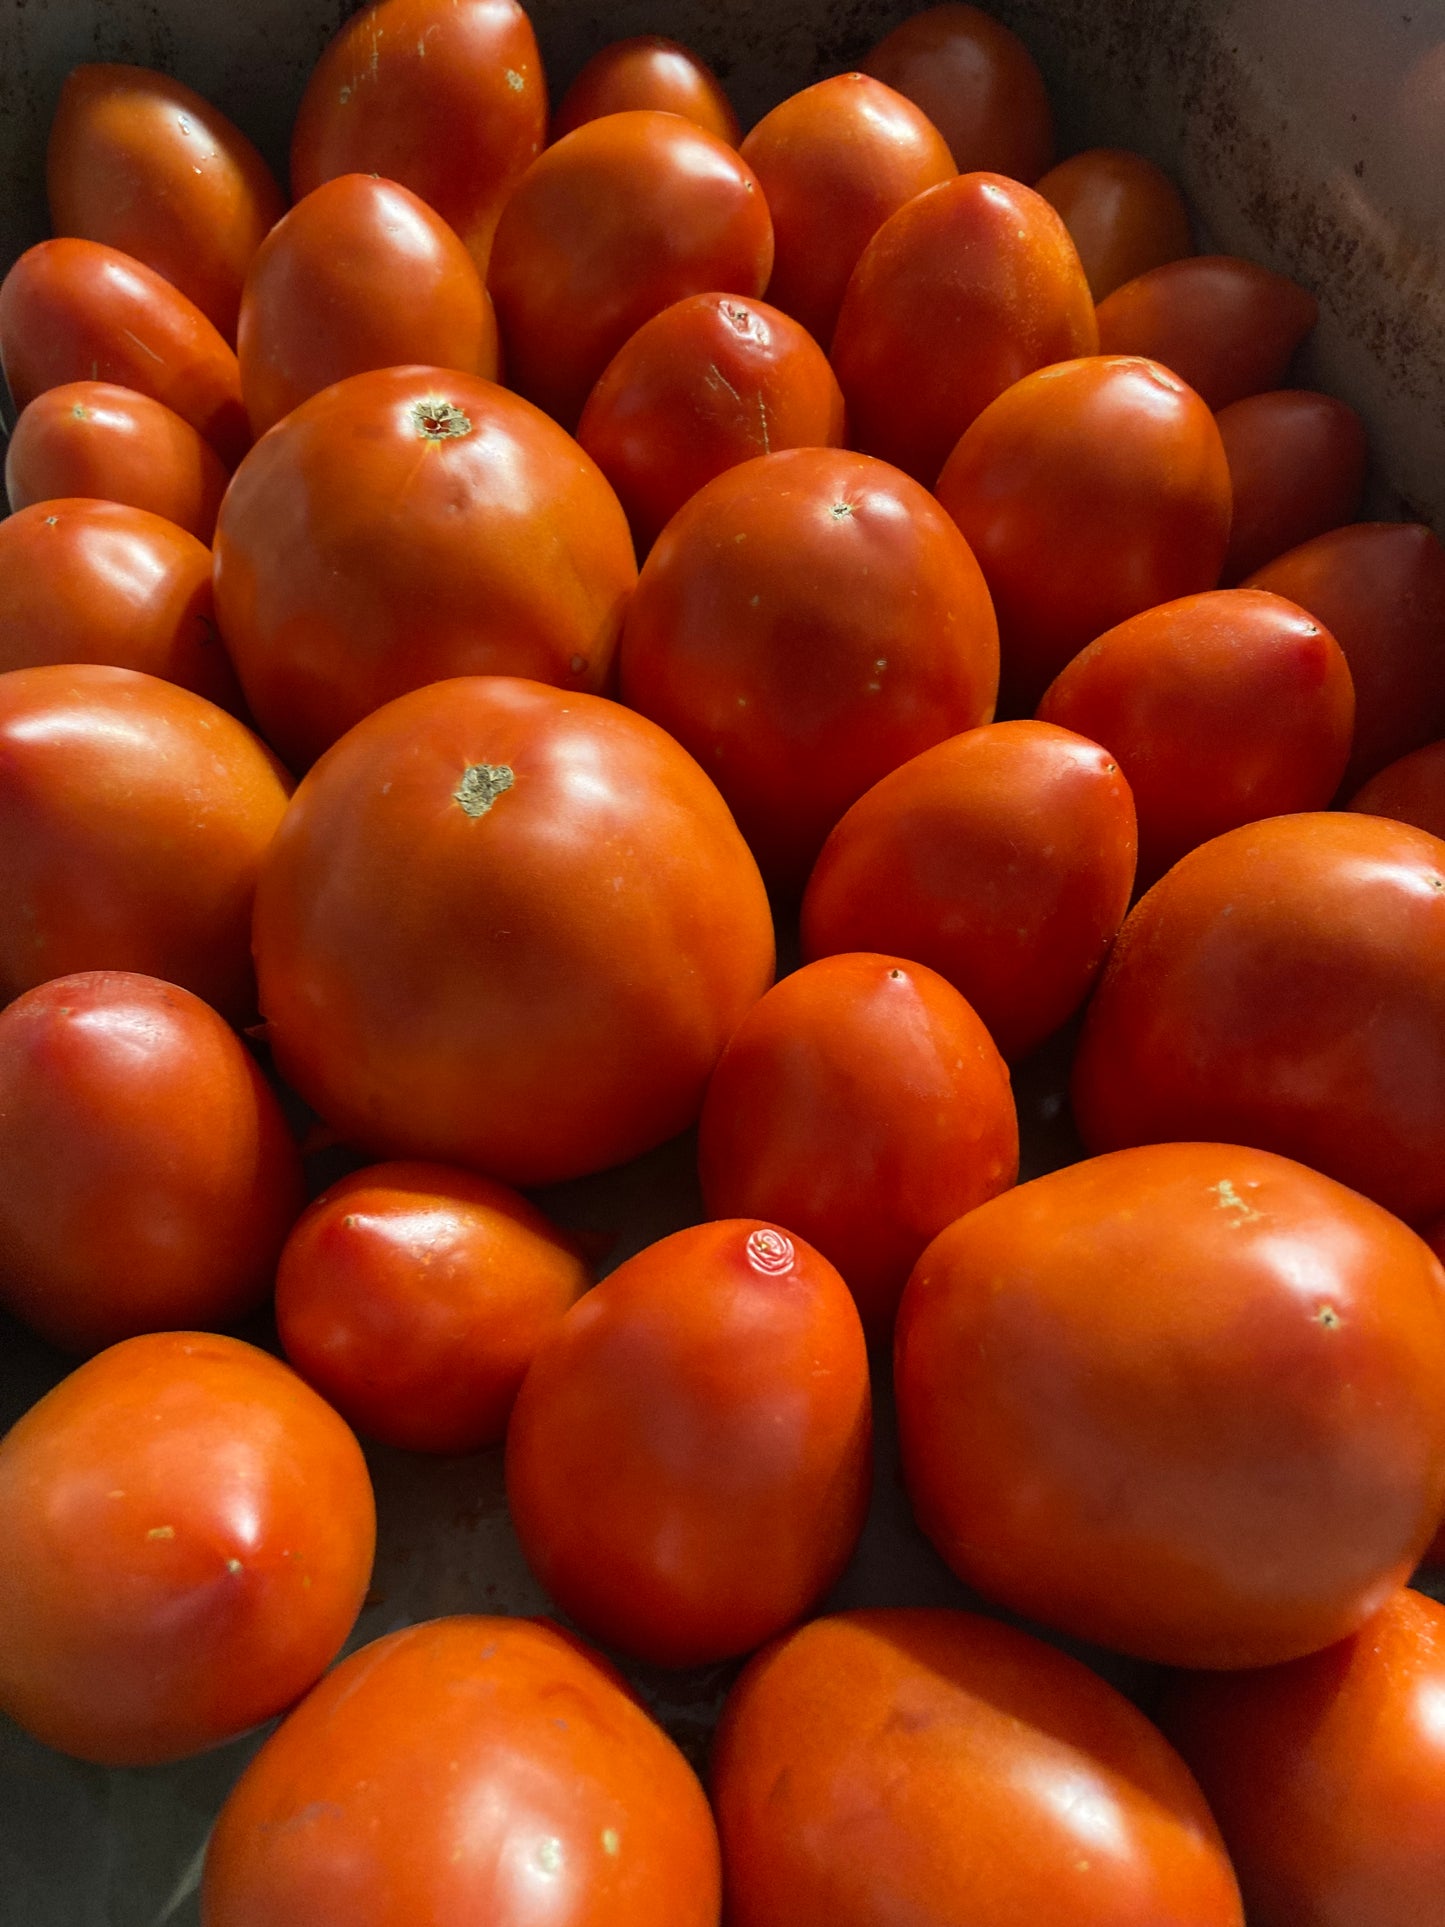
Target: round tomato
column 647, row 71
column 1297, row 469
column 1123, row 213
column 977, row 83
column 1411, row 790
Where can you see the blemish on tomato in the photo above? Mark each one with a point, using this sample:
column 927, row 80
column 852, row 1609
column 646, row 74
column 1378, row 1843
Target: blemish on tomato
column 481, row 785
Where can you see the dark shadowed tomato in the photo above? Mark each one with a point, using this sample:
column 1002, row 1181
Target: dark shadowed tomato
column 1411, row 790
column 1297, row 468
column 977, row 83
column 647, row 71
column 1123, row 213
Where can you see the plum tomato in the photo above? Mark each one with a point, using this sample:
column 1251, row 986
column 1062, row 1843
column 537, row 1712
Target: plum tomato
column 647, row 71
column 1411, row 790
column 977, row 83
column 1296, row 469
column 1123, row 213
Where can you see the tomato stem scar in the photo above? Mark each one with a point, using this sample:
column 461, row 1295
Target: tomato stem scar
column 481, row 785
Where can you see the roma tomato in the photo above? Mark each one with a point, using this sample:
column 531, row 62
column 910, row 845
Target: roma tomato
column 1184, row 1401
column 1411, row 790
column 1002, row 858
column 1296, row 468
column 188, row 1534
column 1123, row 213
column 647, row 72
column 977, row 83
column 688, row 1462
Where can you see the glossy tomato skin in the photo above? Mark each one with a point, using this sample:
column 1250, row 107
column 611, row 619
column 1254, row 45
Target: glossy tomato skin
column 466, row 1769
column 1002, row 858
column 1123, row 213
column 807, row 622
column 406, row 526
column 647, row 71
column 1280, row 987
column 689, row 1457
column 189, row 1533
column 961, row 293
column 878, row 1765
column 1183, row 1400
column 977, row 83
column 1411, row 790
column 1296, row 468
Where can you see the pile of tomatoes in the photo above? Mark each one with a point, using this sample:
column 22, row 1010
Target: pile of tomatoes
column 359, row 789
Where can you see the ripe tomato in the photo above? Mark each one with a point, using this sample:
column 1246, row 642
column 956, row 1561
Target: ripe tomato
column 688, row 1462
column 1123, row 213
column 899, row 1764
column 806, row 623
column 1411, row 790
column 1184, row 1401
column 977, row 83
column 1297, row 468
column 1002, row 858
column 405, row 526
column 466, row 1769
column 188, row 1533
column 647, row 71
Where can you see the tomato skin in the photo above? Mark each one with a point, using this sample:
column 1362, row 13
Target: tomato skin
column 1411, row 790
column 1183, row 1400
column 689, row 1457
column 466, row 1769
column 978, row 84
column 189, row 1532
column 1123, row 213
column 1297, row 469
column 647, row 71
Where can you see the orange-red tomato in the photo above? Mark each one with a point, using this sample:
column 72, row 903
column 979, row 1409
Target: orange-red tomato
column 806, row 623
column 616, row 222
column 466, row 1769
column 901, row 1764
column 188, row 1537
column 958, row 295
column 1184, row 1400
column 688, row 1462
column 710, row 382
column 977, row 83
column 413, row 1296
column 1123, row 213
column 1002, row 858
column 647, row 72
column 1297, row 468
column 1411, row 790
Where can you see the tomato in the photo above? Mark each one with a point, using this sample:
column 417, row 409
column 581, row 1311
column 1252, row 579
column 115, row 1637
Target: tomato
column 1327, row 1776
column 466, row 1769
column 835, row 161
column 958, row 295
column 904, row 1763
column 616, row 222
column 807, row 622
column 1221, row 708
column 1183, row 1401
column 133, row 818
column 688, row 1462
column 1002, row 858
column 647, row 72
column 1281, row 987
column 188, row 1533
column 977, row 83
column 1297, row 468
column 143, row 163
column 1411, row 790
column 359, row 275
column 710, row 382
column 1123, row 213
column 446, row 97
column 1089, row 492
column 405, row 526
column 413, row 1297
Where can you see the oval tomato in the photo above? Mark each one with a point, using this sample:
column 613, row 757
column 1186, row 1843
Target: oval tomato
column 1123, row 213
column 1411, row 790
column 977, row 83
column 1296, row 469
column 647, row 72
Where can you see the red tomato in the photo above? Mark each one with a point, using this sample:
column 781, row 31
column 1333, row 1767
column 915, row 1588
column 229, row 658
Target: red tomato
column 977, row 83
column 1282, row 987
column 188, row 1536
column 612, row 225
column 1002, row 858
column 1089, row 492
column 1297, row 468
column 1411, row 790
column 528, row 963
column 647, row 71
column 1184, row 1401
column 413, row 1296
column 688, row 1462
column 710, row 382
column 958, row 295
column 466, row 1769
column 806, row 623
column 835, row 161
column 406, row 526
column 1123, row 213
column 1221, row 708
column 862, row 1104
column 901, row 1764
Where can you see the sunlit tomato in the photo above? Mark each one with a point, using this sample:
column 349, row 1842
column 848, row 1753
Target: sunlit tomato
column 413, row 1296
column 1281, row 986
column 806, row 623
column 1088, row 492
column 1221, row 708
column 76, row 311
column 445, row 96
column 1297, row 467
column 1184, row 1401
column 145, row 164
column 133, row 819
column 977, row 83
column 835, row 161
column 710, row 382
column 405, row 526
column 958, row 295
column 361, row 274
column 1411, row 790
column 901, row 1764
column 688, row 1462
column 466, row 1769
column 1002, row 858
column 1123, row 213
column 613, row 224
column 188, row 1536
column 647, row 72
column 1327, row 1776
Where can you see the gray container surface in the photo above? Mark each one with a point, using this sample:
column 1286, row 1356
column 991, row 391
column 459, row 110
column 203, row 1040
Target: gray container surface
column 1310, row 135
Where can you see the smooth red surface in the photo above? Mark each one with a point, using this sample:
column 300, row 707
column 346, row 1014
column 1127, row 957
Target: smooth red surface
column 647, row 71
column 977, row 83
column 1411, row 790
column 1123, row 213
column 1296, row 468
